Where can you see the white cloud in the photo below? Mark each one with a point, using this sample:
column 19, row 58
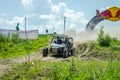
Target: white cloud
column 10, row 24
column 27, row 3
column 46, row 16
column 15, row 20
column 2, row 21
column 31, row 15
column 3, row 14
column 45, row 13
column 74, row 19
column 77, row 17
column 106, row 7
column 55, row 9
column 59, row 9
column 38, row 6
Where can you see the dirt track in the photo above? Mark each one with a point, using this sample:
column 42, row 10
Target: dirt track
column 6, row 65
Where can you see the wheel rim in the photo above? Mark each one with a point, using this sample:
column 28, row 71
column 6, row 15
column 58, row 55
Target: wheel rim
column 69, row 53
column 66, row 54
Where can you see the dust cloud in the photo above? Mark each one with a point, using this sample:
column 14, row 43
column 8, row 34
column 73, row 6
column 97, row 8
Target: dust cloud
column 82, row 37
column 113, row 32
column 86, row 36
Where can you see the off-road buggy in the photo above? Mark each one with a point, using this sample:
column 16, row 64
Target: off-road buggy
column 60, row 45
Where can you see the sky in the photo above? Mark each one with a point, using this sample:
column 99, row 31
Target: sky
column 49, row 14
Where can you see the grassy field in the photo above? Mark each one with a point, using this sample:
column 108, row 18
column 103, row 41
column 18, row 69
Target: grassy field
column 10, row 47
column 67, row 70
column 105, row 66
column 102, row 53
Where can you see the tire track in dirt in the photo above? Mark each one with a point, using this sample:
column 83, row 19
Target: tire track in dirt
column 7, row 65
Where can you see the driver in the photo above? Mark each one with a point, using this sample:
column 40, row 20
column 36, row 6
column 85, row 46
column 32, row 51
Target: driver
column 59, row 41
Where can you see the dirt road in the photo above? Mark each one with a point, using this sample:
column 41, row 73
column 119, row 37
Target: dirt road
column 6, row 65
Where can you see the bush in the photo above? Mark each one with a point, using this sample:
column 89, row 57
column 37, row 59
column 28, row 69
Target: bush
column 2, row 38
column 104, row 39
column 15, row 37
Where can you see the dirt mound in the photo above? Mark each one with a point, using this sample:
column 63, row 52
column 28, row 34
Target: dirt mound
column 84, row 48
column 91, row 50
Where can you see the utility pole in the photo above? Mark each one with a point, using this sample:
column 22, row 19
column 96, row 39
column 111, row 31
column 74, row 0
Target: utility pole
column 64, row 24
column 27, row 49
column 26, row 30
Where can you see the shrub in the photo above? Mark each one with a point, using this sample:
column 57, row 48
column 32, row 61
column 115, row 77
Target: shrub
column 2, row 38
column 15, row 38
column 104, row 39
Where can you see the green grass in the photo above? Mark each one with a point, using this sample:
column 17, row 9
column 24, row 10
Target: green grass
column 107, row 69
column 72, row 70
column 10, row 49
column 105, row 52
column 100, row 52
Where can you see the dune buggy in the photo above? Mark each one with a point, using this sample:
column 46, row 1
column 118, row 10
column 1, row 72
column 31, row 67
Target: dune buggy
column 60, row 45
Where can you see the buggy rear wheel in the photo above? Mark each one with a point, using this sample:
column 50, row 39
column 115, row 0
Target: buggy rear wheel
column 45, row 52
column 65, row 54
column 73, row 51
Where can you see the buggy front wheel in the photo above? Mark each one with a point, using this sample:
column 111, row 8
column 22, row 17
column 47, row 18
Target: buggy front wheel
column 45, row 52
